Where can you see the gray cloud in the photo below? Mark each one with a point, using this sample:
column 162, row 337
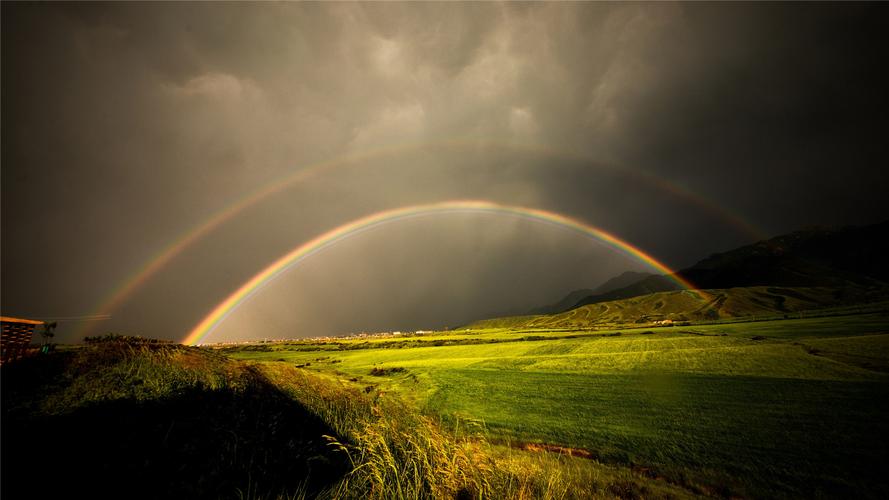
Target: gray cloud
column 126, row 125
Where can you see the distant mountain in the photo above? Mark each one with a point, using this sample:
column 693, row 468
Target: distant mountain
column 570, row 301
column 645, row 286
column 566, row 303
column 625, row 279
column 809, row 258
column 808, row 269
column 814, row 257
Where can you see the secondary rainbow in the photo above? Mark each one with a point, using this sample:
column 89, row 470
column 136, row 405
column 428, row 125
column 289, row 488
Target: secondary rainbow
column 340, row 233
column 159, row 260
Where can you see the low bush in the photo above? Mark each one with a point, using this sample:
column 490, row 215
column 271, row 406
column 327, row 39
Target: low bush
column 383, row 372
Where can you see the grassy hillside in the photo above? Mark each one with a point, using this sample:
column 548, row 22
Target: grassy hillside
column 792, row 407
column 682, row 305
column 851, row 257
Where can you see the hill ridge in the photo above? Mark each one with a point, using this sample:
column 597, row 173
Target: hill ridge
column 836, row 257
column 805, row 269
column 685, row 305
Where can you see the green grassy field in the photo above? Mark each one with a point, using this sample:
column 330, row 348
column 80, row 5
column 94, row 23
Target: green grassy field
column 782, row 408
column 793, row 407
column 134, row 418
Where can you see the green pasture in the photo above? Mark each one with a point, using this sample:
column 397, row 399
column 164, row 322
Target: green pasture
column 184, row 422
column 786, row 407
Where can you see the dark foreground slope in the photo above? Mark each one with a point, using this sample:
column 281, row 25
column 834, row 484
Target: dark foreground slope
column 120, row 420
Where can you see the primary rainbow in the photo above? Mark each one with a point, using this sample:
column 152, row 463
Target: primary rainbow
column 278, row 267
column 159, row 260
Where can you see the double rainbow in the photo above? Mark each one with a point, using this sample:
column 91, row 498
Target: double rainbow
column 165, row 255
column 338, row 234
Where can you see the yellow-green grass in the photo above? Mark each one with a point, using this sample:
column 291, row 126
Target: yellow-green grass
column 792, row 407
column 777, row 328
column 154, row 420
column 398, row 453
column 752, row 434
column 770, row 349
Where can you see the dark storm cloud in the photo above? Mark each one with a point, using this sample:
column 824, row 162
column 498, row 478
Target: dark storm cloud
column 125, row 125
column 770, row 107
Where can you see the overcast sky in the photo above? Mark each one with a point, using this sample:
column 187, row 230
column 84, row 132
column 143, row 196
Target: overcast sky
column 685, row 129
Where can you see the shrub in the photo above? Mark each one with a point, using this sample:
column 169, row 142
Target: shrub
column 383, row 372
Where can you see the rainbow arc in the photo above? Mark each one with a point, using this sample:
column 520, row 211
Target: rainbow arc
column 158, row 261
column 358, row 226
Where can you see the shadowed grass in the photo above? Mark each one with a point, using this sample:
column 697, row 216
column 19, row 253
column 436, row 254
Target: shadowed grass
column 133, row 420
